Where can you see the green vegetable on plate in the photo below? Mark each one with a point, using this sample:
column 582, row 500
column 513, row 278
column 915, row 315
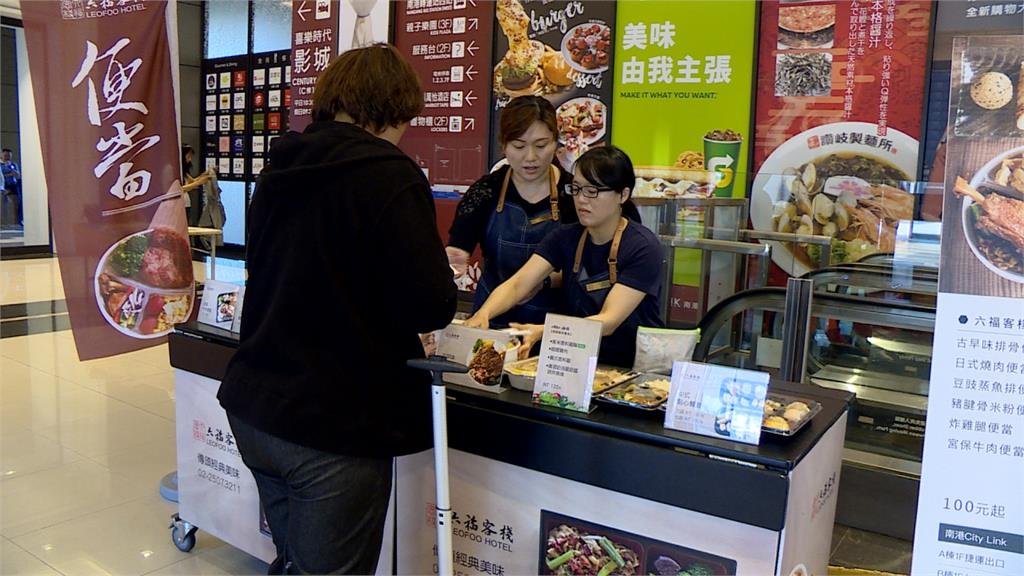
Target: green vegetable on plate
column 612, row 552
column 554, row 563
column 126, row 259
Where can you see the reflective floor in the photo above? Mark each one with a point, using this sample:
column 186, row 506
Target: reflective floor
column 83, row 446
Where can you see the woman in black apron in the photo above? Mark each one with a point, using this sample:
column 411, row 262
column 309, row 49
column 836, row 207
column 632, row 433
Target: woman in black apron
column 612, row 266
column 508, row 212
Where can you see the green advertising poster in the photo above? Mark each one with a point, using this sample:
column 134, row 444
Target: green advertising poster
column 684, row 73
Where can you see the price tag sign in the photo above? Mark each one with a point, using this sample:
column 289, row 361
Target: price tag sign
column 220, row 304
column 568, row 361
column 484, row 352
column 717, row 401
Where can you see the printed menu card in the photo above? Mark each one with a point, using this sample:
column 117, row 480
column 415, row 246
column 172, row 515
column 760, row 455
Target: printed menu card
column 568, row 362
column 717, row 401
column 484, row 352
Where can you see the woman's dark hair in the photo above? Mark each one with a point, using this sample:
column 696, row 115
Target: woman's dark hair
column 186, row 165
column 375, row 85
column 521, row 113
column 607, row 166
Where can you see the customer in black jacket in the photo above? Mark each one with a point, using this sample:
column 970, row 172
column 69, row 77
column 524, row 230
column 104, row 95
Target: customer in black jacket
column 346, row 267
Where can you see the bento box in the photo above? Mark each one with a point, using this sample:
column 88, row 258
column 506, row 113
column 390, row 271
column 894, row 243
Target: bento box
column 522, row 375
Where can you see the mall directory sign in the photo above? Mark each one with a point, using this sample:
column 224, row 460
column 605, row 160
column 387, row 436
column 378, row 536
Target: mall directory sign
column 271, row 100
column 840, row 94
column 562, row 51
column 225, row 116
column 108, row 128
column 449, row 45
column 314, row 45
column 970, row 513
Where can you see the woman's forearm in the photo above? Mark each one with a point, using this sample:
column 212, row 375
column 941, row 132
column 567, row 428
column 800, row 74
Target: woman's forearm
column 501, row 300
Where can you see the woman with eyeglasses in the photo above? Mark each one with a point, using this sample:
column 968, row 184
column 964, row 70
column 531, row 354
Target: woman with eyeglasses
column 611, row 266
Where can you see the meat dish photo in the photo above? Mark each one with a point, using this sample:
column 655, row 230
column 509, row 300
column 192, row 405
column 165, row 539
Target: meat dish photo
column 994, row 215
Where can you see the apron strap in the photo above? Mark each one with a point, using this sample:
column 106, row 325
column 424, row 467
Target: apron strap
column 613, row 255
column 504, row 189
column 552, row 178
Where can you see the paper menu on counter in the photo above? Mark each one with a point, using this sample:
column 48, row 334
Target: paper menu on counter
column 219, row 304
column 717, row 401
column 484, row 352
column 568, row 362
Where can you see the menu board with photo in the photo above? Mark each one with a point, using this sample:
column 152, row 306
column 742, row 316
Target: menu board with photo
column 561, row 50
column 971, row 505
column 449, row 45
column 225, row 116
column 271, row 101
column 840, row 87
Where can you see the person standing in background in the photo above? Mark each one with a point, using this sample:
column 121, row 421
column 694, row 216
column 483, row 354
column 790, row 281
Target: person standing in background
column 12, row 183
column 189, row 183
column 346, row 269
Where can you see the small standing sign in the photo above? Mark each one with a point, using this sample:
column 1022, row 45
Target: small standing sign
column 219, row 305
column 568, row 361
column 717, row 401
column 484, row 352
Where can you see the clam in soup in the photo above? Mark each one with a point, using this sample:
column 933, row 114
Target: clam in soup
column 852, row 198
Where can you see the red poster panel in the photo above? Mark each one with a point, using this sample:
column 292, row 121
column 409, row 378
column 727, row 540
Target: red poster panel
column 314, row 45
column 839, row 104
column 449, row 44
column 109, row 132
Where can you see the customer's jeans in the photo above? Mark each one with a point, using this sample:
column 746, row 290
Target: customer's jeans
column 326, row 511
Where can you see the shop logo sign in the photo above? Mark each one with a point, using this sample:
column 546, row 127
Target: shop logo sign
column 82, row 9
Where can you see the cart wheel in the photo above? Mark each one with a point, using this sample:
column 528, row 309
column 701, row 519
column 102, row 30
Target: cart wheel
column 184, row 540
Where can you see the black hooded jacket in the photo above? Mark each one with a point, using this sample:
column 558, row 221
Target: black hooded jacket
column 346, row 267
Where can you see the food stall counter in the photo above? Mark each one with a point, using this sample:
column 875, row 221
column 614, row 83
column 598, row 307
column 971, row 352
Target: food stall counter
column 526, row 478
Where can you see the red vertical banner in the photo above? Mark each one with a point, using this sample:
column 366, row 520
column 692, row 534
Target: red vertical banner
column 102, row 74
column 449, row 45
column 314, row 45
column 839, row 103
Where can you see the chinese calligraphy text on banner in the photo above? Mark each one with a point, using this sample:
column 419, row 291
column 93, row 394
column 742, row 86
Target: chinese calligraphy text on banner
column 314, row 45
column 839, row 102
column 105, row 91
column 971, row 506
column 689, row 86
column 225, row 119
column 563, row 51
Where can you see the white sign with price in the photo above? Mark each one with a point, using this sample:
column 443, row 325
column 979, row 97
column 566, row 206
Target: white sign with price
column 717, row 401
column 568, row 361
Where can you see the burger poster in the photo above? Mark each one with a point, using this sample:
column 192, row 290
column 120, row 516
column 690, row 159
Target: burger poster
column 840, row 87
column 688, row 86
column 562, row 51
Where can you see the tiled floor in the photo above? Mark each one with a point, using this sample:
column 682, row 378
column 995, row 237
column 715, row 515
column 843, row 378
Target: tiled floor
column 83, row 446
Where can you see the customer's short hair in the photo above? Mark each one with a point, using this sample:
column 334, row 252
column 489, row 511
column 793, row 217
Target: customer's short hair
column 375, row 85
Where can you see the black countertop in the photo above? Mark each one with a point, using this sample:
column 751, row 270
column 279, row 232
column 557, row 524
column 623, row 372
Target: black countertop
column 610, row 447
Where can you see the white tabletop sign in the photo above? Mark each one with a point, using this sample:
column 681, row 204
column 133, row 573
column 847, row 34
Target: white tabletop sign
column 568, row 361
column 484, row 352
column 717, row 401
column 219, row 304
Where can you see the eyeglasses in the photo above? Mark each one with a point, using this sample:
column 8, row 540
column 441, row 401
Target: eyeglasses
column 587, row 191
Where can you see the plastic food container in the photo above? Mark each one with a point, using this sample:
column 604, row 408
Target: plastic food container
column 639, row 393
column 785, row 407
column 522, row 375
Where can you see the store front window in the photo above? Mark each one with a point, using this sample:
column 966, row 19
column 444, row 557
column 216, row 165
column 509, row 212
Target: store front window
column 24, row 210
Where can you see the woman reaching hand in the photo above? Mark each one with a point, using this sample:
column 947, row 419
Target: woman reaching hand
column 611, row 266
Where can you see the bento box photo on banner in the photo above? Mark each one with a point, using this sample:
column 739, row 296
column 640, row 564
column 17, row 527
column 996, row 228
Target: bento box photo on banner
column 104, row 82
column 562, row 51
column 970, row 512
column 839, row 104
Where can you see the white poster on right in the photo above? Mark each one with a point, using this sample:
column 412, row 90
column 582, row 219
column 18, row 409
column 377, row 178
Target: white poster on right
column 970, row 518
